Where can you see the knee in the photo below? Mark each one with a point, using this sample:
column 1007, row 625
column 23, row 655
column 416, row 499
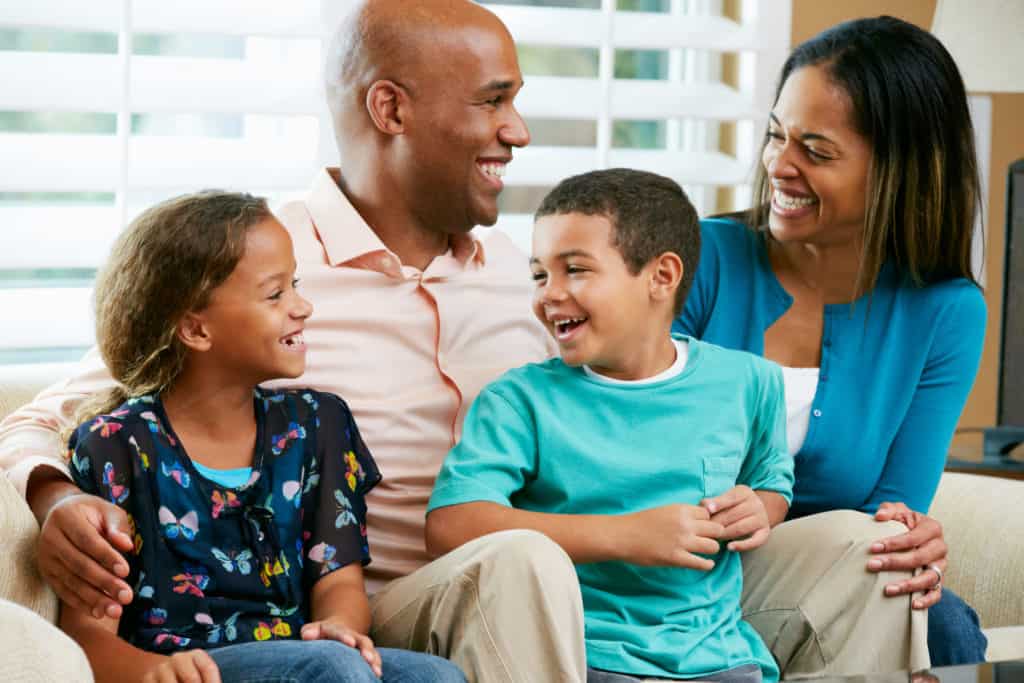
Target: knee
column 334, row 662
column 844, row 527
column 525, row 559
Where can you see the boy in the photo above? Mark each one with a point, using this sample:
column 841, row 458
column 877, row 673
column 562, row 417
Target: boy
column 637, row 452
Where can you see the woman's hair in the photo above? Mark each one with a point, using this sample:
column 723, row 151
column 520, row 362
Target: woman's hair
column 165, row 264
column 908, row 101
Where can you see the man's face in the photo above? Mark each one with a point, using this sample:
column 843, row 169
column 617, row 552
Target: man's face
column 463, row 128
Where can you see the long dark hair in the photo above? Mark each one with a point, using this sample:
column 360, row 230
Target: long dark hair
column 908, row 101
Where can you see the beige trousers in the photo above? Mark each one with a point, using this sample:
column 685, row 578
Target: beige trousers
column 506, row 607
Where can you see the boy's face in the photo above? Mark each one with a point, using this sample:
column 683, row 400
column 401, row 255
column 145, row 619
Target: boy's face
column 595, row 308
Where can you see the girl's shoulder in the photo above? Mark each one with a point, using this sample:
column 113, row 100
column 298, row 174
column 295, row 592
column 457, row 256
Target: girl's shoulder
column 139, row 409
column 300, row 404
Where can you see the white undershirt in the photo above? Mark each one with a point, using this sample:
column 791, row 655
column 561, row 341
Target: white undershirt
column 801, row 385
column 682, row 352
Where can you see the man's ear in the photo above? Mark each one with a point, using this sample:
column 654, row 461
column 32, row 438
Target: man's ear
column 192, row 332
column 387, row 103
column 666, row 275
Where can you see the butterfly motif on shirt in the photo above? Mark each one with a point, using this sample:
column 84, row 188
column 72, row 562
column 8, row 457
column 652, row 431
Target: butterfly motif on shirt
column 324, row 554
column 105, row 427
column 232, row 560
column 276, row 629
column 155, row 616
column 227, row 630
column 276, row 611
column 291, row 490
column 142, row 590
column 171, row 639
column 344, row 510
column 310, row 479
column 278, row 567
column 354, row 471
column 156, row 427
column 220, row 500
column 178, row 473
column 280, row 442
column 118, row 492
column 81, row 463
column 192, row 581
column 143, row 458
column 187, row 527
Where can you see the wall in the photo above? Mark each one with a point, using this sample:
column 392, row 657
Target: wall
column 812, row 16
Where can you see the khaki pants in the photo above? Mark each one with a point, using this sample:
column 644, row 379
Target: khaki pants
column 506, row 607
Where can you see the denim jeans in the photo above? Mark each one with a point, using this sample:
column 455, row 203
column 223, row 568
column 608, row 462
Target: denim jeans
column 749, row 673
column 326, row 661
column 954, row 633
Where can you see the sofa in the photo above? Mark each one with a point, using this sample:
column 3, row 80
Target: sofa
column 983, row 518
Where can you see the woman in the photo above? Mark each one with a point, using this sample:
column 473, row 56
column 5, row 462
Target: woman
column 853, row 272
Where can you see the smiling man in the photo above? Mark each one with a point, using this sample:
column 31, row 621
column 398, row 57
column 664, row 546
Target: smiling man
column 414, row 314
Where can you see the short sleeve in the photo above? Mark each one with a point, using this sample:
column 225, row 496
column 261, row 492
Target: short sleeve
column 341, row 473
column 495, row 458
column 101, row 461
column 768, row 465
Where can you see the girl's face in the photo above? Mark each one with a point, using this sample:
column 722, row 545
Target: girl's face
column 816, row 162
column 255, row 319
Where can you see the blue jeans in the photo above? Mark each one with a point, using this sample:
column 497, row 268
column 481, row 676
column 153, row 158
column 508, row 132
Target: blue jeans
column 954, row 634
column 326, row 661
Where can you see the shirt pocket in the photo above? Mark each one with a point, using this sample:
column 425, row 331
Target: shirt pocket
column 720, row 472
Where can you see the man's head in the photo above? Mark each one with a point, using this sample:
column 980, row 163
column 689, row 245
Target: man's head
column 421, row 95
column 614, row 254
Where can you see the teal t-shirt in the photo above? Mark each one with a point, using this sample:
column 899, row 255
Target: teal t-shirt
column 547, row 438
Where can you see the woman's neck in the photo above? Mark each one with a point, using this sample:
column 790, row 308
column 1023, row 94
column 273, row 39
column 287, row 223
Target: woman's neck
column 831, row 271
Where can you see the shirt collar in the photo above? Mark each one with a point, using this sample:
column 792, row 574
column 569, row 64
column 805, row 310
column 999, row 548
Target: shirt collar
column 346, row 237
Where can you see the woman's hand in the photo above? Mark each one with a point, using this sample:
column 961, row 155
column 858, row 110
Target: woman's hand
column 920, row 548
column 331, row 629
column 193, row 666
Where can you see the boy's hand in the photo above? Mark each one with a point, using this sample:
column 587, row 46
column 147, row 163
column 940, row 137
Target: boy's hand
column 669, row 536
column 330, row 629
column 742, row 514
column 192, row 666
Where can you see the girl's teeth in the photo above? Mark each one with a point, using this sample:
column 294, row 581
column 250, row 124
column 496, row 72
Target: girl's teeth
column 497, row 170
column 786, row 201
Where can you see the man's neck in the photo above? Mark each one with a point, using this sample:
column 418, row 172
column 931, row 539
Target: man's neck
column 414, row 243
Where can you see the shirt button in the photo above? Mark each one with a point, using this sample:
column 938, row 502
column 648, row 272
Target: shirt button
column 260, row 537
column 817, row 413
column 823, row 378
column 827, row 343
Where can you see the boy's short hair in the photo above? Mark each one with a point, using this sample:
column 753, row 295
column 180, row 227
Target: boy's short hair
column 650, row 215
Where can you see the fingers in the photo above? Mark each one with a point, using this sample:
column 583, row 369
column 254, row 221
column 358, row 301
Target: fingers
column 115, row 526
column 744, row 527
column 934, row 550
column 730, row 498
column 206, row 666
column 369, row 653
column 756, row 540
column 691, row 561
column 85, row 534
column 326, row 630
column 707, row 529
column 925, row 530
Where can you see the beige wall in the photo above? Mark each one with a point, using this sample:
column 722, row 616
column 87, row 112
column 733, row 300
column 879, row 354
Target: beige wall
column 812, row 16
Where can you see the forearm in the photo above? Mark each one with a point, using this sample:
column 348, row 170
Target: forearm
column 47, row 487
column 111, row 658
column 341, row 597
column 775, row 506
column 585, row 538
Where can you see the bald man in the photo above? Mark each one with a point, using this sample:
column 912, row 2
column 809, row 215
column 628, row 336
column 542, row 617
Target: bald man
column 414, row 315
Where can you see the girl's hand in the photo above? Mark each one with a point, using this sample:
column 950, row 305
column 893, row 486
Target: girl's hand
column 329, row 629
column 192, row 666
column 920, row 548
column 742, row 513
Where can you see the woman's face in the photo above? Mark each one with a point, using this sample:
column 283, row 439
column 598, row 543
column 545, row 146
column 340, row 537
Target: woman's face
column 816, row 162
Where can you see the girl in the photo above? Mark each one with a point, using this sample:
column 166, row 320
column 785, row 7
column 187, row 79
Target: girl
column 246, row 504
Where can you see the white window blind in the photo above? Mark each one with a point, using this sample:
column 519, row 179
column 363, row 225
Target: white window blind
column 112, row 105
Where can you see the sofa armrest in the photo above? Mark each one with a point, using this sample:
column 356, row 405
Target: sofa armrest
column 19, row 581
column 984, row 525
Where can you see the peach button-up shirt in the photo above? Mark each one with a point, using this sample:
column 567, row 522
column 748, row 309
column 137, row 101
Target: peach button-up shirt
column 408, row 350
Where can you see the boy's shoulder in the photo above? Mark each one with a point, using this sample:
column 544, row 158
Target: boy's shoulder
column 743, row 365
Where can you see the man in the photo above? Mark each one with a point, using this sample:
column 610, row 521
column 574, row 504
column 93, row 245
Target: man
column 414, row 315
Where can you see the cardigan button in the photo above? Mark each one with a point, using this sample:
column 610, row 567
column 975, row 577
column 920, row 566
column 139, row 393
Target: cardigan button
column 817, row 413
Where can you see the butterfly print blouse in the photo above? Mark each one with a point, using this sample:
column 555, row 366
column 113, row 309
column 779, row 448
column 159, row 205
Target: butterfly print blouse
column 215, row 566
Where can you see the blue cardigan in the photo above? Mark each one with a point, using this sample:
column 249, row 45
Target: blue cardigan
column 896, row 368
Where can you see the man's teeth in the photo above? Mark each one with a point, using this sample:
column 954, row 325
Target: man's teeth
column 786, row 201
column 293, row 340
column 496, row 170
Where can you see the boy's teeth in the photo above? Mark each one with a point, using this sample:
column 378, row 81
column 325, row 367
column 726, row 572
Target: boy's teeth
column 293, row 340
column 497, row 170
column 789, row 202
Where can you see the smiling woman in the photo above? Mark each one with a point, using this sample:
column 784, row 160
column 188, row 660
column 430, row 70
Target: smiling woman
column 855, row 264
